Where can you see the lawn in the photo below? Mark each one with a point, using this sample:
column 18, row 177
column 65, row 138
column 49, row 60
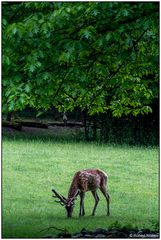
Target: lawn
column 31, row 167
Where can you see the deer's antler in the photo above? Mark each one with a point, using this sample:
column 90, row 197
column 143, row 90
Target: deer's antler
column 62, row 199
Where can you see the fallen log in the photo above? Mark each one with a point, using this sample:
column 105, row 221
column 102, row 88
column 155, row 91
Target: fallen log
column 68, row 124
column 32, row 124
column 17, row 124
column 13, row 125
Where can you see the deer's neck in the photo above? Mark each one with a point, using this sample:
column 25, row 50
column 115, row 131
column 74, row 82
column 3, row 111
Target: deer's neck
column 72, row 190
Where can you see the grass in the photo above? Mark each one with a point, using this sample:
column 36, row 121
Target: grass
column 31, row 167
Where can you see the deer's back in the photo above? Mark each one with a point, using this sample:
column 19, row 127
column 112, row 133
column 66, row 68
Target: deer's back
column 90, row 180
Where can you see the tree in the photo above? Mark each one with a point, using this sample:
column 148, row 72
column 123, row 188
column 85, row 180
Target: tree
column 97, row 56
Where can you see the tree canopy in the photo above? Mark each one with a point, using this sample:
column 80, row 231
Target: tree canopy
column 97, row 56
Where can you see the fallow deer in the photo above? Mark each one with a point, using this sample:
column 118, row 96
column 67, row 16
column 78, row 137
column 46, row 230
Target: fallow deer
column 83, row 181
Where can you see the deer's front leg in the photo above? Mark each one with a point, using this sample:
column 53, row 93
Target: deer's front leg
column 95, row 195
column 82, row 196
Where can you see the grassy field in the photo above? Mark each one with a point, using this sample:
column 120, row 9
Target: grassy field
column 31, row 167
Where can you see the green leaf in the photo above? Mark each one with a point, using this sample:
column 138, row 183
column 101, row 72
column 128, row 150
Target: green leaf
column 32, row 68
column 11, row 106
column 39, row 114
column 27, row 88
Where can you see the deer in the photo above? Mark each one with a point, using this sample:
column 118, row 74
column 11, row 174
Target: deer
column 83, row 181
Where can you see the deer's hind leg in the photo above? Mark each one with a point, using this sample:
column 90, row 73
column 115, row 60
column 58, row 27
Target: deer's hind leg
column 107, row 196
column 95, row 195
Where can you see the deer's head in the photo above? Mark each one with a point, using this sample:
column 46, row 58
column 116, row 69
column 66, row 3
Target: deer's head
column 68, row 203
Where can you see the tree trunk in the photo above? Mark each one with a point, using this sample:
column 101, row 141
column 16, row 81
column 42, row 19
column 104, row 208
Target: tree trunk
column 86, row 132
column 94, row 128
column 9, row 116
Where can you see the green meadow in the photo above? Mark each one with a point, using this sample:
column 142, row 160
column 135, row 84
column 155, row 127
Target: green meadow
column 31, row 167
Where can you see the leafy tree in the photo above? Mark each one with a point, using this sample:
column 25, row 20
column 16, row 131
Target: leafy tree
column 97, row 56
